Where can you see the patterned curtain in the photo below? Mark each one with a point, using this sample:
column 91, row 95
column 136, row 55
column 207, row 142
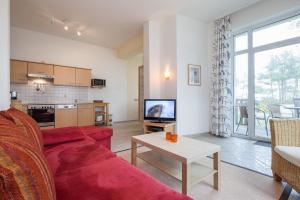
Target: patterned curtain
column 221, row 93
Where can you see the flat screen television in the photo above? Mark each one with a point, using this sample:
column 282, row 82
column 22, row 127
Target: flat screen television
column 160, row 110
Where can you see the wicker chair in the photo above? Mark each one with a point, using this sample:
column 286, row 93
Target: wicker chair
column 286, row 133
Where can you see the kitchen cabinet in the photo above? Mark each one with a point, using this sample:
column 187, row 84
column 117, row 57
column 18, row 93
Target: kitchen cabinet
column 18, row 71
column 86, row 115
column 64, row 75
column 65, row 117
column 83, row 77
column 40, row 68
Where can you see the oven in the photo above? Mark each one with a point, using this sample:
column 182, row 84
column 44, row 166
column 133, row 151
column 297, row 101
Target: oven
column 44, row 115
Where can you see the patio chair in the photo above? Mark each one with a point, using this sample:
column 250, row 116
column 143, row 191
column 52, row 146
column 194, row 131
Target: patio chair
column 296, row 102
column 275, row 111
column 286, row 151
column 244, row 115
column 262, row 117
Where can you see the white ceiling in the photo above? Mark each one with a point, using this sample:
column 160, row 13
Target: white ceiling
column 110, row 23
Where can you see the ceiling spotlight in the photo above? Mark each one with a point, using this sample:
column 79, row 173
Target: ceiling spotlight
column 66, row 28
column 78, row 33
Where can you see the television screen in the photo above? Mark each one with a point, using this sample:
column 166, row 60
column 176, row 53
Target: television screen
column 160, row 109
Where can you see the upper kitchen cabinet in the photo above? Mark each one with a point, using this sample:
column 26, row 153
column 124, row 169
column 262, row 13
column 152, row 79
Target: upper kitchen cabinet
column 18, row 71
column 64, row 75
column 40, row 68
column 83, row 77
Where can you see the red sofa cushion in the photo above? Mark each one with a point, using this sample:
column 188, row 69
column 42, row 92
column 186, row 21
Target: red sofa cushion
column 75, row 155
column 24, row 172
column 27, row 125
column 112, row 179
column 61, row 135
column 97, row 133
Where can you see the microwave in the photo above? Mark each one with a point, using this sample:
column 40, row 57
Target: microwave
column 98, row 82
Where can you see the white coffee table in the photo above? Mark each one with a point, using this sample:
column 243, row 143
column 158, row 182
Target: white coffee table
column 180, row 159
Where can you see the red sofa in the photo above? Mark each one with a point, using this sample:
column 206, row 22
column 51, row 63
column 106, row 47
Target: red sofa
column 84, row 168
column 68, row 163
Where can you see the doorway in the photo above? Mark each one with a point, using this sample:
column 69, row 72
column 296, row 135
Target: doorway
column 141, row 93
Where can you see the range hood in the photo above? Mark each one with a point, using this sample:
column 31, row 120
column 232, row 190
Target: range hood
column 46, row 76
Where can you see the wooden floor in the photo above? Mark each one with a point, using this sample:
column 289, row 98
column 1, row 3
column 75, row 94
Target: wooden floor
column 238, row 183
column 123, row 131
column 235, row 183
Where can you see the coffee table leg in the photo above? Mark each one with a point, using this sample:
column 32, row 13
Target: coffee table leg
column 133, row 153
column 184, row 178
column 216, row 167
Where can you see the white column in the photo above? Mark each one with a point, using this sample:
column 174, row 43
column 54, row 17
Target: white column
column 152, row 71
column 4, row 54
column 146, row 60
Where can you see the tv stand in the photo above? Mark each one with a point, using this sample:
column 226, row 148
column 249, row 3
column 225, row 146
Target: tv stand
column 155, row 122
column 150, row 127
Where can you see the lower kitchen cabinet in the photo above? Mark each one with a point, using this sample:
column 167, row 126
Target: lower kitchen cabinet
column 86, row 114
column 65, row 117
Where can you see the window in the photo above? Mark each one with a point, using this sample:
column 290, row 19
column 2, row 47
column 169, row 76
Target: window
column 266, row 68
column 241, row 42
column 279, row 31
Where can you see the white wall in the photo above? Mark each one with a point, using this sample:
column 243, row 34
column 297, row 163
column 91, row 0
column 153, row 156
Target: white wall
column 133, row 65
column 34, row 46
column 4, row 54
column 261, row 11
column 168, row 57
column 152, row 76
column 182, row 41
column 131, row 48
column 160, row 54
column 193, row 42
column 192, row 101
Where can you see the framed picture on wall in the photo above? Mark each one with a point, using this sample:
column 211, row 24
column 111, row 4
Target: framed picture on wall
column 194, row 73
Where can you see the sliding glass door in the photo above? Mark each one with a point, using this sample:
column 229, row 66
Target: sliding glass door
column 266, row 67
column 241, row 86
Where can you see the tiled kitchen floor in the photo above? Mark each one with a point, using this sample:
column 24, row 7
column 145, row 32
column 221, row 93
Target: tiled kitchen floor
column 237, row 151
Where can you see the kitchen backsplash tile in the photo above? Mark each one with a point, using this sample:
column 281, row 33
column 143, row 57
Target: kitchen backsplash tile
column 49, row 93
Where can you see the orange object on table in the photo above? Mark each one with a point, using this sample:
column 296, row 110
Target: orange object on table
column 174, row 137
column 168, row 136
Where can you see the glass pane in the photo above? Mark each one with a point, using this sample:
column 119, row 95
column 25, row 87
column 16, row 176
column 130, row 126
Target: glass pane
column 283, row 30
column 241, row 42
column 241, row 94
column 277, row 86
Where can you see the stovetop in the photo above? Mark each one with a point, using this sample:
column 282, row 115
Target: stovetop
column 40, row 106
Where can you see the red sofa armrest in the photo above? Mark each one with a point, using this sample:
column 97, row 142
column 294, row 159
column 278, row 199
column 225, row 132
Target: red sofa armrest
column 100, row 134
